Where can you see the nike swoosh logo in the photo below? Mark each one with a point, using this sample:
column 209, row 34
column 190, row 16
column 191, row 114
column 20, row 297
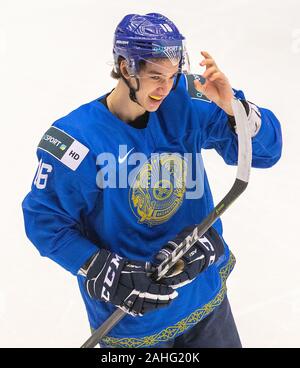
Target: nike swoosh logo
column 121, row 160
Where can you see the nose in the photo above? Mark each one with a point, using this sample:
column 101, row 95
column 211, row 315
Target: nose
column 165, row 87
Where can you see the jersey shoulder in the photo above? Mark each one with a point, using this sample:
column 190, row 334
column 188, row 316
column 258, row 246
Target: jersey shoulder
column 81, row 122
column 70, row 140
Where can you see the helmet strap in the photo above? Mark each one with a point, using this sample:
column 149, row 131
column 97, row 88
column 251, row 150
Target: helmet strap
column 176, row 81
column 132, row 91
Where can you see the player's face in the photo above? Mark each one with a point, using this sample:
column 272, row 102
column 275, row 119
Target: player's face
column 156, row 81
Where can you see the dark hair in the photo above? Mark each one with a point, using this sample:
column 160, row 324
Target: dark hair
column 115, row 75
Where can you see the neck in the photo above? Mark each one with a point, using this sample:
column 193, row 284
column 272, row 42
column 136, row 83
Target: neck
column 120, row 104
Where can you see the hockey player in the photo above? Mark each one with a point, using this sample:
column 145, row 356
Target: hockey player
column 113, row 193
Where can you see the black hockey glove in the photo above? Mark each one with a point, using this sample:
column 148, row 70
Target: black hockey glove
column 126, row 284
column 201, row 255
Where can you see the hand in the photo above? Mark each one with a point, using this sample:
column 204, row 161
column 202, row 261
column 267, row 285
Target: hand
column 126, row 284
column 216, row 87
column 206, row 251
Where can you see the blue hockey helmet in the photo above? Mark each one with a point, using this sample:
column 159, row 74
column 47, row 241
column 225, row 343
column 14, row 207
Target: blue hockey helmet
column 142, row 37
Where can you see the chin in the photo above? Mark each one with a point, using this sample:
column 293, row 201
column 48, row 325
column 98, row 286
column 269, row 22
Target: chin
column 152, row 108
column 151, row 105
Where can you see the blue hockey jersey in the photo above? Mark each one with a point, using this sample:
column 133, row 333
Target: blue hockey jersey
column 80, row 202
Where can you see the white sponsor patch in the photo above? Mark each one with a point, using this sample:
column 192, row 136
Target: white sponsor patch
column 63, row 147
column 74, row 155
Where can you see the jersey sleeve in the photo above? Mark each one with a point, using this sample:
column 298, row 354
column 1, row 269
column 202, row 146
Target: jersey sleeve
column 61, row 196
column 217, row 133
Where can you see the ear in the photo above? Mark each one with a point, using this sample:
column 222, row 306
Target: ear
column 123, row 69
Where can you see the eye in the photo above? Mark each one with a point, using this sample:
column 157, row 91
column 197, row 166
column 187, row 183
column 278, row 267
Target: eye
column 155, row 77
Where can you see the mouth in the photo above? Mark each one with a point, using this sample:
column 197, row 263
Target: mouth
column 155, row 98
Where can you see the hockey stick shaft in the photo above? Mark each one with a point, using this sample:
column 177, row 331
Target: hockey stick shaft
column 240, row 184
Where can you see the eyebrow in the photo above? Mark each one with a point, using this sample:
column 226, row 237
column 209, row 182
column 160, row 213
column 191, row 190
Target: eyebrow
column 154, row 72
column 158, row 73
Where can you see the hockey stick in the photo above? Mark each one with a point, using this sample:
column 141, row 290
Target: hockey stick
column 240, row 184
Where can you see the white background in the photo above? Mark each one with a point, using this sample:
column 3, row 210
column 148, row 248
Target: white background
column 54, row 56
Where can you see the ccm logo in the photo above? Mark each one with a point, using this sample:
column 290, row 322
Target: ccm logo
column 110, row 276
column 74, row 155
